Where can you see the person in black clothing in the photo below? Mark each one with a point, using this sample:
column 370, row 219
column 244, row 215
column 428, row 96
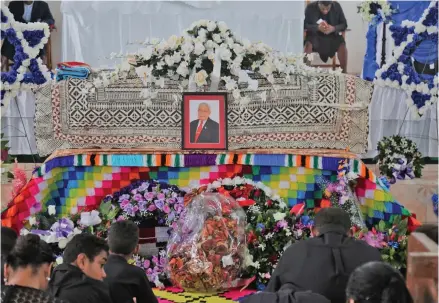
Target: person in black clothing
column 27, row 272
column 126, row 281
column 430, row 230
column 80, row 278
column 377, row 282
column 322, row 264
column 204, row 129
column 324, row 22
column 9, row 237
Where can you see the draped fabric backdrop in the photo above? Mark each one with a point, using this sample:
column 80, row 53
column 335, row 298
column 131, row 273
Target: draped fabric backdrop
column 94, row 29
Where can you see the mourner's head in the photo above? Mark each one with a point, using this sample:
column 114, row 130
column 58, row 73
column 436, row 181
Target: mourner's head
column 377, row 282
column 123, row 238
column 203, row 111
column 29, row 263
column 325, row 6
column 332, row 219
column 89, row 253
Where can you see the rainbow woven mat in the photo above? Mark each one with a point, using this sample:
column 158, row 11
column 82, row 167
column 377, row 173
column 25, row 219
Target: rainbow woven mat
column 74, row 182
column 176, row 295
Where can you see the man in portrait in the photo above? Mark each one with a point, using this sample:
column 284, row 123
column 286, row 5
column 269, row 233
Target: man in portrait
column 204, row 129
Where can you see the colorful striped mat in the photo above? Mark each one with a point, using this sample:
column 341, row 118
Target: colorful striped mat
column 73, row 182
column 176, row 295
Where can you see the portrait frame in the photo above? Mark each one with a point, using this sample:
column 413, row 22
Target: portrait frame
column 214, row 127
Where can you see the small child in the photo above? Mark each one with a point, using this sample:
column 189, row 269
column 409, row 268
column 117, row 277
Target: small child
column 127, row 283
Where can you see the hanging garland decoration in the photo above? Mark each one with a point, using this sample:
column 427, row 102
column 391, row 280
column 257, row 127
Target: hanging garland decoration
column 399, row 71
column 399, row 158
column 27, row 70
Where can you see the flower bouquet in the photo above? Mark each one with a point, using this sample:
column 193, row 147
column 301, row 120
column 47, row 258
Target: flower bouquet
column 206, row 251
column 373, row 10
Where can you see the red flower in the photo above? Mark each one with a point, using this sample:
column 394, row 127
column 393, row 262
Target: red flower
column 269, row 203
column 251, row 237
column 298, row 209
column 257, row 193
column 273, row 259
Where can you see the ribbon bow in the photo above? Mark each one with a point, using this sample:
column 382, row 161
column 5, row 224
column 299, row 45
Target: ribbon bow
column 401, row 170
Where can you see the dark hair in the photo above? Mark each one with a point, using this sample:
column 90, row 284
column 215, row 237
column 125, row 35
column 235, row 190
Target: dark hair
column 325, row 3
column 30, row 250
column 332, row 217
column 9, row 237
column 377, row 282
column 123, row 237
column 87, row 244
column 430, row 230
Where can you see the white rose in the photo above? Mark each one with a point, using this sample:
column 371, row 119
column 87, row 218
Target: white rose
column 279, row 216
column 238, row 49
column 201, row 78
column 210, row 55
column 227, row 261
column 239, row 181
column 176, row 57
column 225, row 54
column 51, row 210
column 90, row 218
column 216, row 184
column 227, row 181
column 222, row 26
column 24, row 232
column 59, row 260
column 230, row 41
column 169, row 60
column 211, row 26
column 217, row 38
column 187, row 47
column 236, row 94
column 199, row 48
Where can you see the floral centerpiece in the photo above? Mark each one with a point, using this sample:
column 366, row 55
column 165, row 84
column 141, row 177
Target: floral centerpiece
column 206, row 54
column 375, row 10
column 206, row 251
column 399, row 158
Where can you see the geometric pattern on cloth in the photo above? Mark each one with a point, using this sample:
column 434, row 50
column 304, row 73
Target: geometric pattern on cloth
column 325, row 111
column 176, row 295
column 84, row 187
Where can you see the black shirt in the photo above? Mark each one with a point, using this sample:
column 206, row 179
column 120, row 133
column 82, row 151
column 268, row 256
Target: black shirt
column 15, row 294
column 127, row 281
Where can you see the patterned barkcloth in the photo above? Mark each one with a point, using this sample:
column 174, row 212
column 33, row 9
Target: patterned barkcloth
column 176, row 295
column 324, row 111
column 82, row 180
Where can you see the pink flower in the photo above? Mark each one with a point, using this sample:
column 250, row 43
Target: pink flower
column 146, row 263
column 282, row 224
column 166, row 209
column 374, row 240
column 161, row 196
column 152, row 207
column 124, row 203
column 120, row 218
column 149, row 196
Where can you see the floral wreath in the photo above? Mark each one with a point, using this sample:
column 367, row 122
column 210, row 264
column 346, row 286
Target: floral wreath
column 399, row 158
column 207, row 53
column 27, row 39
column 375, row 11
column 399, row 71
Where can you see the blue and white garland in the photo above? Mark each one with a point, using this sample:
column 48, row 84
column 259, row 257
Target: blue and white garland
column 399, row 71
column 28, row 40
column 375, row 11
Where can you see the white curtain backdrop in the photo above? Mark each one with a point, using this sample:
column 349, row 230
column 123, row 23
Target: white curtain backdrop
column 388, row 115
column 94, row 29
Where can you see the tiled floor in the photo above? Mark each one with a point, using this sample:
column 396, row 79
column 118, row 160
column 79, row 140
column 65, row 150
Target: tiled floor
column 413, row 194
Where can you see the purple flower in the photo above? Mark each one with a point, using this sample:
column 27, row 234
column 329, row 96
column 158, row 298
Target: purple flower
column 63, row 227
column 166, row 209
column 135, row 208
column 178, row 208
column 124, row 204
column 374, row 240
column 282, row 224
column 138, row 197
column 124, row 197
column 142, row 205
column 171, row 217
column 144, row 186
column 149, row 196
column 146, row 263
column 161, row 196
column 129, row 210
column 159, row 204
column 149, row 271
column 155, row 260
column 120, row 218
column 170, row 200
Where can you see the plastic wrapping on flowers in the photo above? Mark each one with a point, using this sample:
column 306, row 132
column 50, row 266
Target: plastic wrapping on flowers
column 207, row 249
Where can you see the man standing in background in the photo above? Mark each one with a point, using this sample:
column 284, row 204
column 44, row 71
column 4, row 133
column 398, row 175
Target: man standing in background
column 25, row 12
column 324, row 22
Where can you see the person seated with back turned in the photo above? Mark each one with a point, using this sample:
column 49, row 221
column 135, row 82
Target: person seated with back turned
column 126, row 281
column 377, row 282
column 324, row 22
column 9, row 237
column 80, row 278
column 322, row 264
column 204, row 129
column 27, row 272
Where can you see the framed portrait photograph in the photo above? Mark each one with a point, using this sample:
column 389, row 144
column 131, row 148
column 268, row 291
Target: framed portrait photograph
column 204, row 121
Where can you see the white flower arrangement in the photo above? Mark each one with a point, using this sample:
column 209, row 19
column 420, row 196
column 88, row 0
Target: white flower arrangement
column 422, row 87
column 368, row 12
column 12, row 89
column 206, row 54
